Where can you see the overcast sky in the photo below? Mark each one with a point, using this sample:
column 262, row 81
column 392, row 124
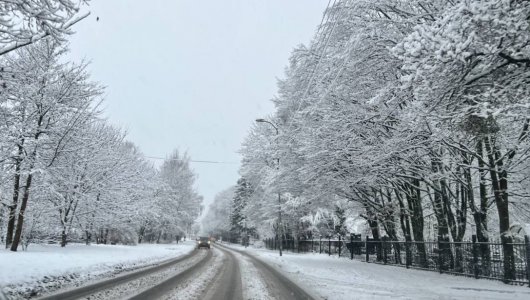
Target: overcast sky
column 192, row 75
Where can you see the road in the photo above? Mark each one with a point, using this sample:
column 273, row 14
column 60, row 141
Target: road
column 220, row 273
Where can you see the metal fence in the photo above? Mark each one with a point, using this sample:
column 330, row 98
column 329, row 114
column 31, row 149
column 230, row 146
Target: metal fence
column 506, row 261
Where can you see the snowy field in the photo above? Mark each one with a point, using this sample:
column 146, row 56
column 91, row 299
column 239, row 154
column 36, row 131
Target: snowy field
column 46, row 267
column 341, row 278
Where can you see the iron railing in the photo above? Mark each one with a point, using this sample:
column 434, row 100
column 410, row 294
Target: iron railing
column 506, row 261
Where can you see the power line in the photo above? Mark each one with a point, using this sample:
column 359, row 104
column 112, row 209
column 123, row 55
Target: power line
column 194, row 161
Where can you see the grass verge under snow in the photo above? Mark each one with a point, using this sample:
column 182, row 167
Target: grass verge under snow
column 44, row 268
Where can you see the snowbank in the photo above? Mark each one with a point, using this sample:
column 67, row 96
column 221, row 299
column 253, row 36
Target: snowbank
column 340, row 278
column 43, row 264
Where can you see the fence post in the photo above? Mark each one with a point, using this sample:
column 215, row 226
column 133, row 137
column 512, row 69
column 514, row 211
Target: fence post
column 340, row 245
column 298, row 245
column 320, row 245
column 407, row 253
column 351, row 246
column 366, row 249
column 329, row 245
column 475, row 255
column 440, row 258
column 383, row 247
column 527, row 244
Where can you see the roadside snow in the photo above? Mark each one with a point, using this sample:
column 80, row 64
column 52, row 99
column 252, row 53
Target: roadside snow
column 340, row 278
column 48, row 267
column 254, row 286
column 133, row 287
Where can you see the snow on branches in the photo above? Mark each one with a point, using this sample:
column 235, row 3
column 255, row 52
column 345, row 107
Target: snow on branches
column 24, row 22
column 416, row 113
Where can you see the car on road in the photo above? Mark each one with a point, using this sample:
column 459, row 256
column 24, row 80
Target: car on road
column 203, row 242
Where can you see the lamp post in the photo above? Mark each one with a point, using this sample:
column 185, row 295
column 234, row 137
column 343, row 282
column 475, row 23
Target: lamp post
column 280, row 227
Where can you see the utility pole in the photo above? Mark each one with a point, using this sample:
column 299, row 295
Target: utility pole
column 280, row 226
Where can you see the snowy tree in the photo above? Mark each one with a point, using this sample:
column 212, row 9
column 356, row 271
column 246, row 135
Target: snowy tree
column 408, row 109
column 216, row 221
column 238, row 219
column 25, row 22
column 46, row 100
column 180, row 203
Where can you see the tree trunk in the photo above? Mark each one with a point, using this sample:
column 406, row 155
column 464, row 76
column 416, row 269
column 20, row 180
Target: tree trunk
column 13, row 207
column 480, row 214
column 88, row 237
column 20, row 221
column 374, row 227
column 141, row 234
column 499, row 181
column 158, row 238
column 415, row 206
column 441, row 217
column 403, row 216
column 105, row 236
column 63, row 237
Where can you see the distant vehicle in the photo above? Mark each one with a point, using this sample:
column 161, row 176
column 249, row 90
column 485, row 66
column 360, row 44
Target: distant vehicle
column 203, row 242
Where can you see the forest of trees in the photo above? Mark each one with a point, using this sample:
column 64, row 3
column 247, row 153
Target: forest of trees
column 412, row 116
column 66, row 173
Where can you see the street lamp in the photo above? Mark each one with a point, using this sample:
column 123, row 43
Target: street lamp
column 280, row 229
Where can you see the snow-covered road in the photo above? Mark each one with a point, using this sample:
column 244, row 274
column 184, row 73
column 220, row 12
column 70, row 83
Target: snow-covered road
column 233, row 272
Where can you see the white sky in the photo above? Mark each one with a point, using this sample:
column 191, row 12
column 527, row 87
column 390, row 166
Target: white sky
column 192, row 75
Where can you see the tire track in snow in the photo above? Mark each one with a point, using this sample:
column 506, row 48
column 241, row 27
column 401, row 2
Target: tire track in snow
column 195, row 286
column 129, row 288
column 254, row 286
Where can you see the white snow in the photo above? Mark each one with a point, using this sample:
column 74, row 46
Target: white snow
column 79, row 263
column 341, row 278
column 133, row 287
column 194, row 287
column 253, row 283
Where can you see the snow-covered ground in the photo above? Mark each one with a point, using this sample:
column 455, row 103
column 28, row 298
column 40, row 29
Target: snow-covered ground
column 254, row 286
column 340, row 278
column 195, row 286
column 47, row 267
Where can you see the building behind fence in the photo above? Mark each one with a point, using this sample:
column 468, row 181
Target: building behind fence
column 474, row 259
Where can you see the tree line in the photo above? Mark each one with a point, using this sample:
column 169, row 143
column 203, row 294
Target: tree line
column 66, row 173
column 411, row 117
